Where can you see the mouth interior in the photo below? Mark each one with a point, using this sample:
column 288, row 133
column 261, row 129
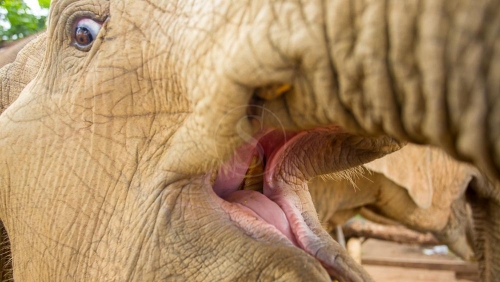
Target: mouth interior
column 243, row 180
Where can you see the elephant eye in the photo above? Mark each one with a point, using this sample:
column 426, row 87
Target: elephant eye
column 85, row 32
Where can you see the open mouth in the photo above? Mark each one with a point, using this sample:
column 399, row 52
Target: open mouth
column 263, row 188
column 245, row 180
column 261, row 184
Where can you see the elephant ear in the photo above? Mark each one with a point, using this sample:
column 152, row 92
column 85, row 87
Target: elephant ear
column 15, row 76
column 411, row 169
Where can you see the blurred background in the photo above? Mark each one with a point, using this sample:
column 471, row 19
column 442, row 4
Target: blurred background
column 21, row 18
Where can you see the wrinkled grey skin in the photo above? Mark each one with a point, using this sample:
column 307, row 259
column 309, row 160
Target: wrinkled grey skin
column 115, row 188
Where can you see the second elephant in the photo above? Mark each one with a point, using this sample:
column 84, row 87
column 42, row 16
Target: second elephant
column 425, row 190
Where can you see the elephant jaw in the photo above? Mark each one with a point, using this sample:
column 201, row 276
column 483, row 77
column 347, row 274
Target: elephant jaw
column 263, row 188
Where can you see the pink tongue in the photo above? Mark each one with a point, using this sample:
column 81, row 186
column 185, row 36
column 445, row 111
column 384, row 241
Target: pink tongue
column 266, row 209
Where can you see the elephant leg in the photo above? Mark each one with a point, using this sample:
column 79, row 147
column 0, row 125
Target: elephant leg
column 486, row 214
column 5, row 256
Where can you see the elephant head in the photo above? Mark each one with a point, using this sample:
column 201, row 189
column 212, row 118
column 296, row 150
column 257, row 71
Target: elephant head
column 137, row 131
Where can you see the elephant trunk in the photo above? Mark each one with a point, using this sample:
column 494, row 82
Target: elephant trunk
column 5, row 256
column 422, row 71
column 486, row 213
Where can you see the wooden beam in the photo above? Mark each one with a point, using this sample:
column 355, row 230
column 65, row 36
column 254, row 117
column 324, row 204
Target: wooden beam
column 430, row 264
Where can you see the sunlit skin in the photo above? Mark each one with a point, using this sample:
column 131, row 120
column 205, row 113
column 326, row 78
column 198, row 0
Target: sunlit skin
column 130, row 128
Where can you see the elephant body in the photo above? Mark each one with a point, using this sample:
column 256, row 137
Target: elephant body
column 425, row 190
column 174, row 140
column 431, row 197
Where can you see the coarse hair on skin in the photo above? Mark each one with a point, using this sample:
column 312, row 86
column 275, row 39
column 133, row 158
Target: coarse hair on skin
column 348, row 175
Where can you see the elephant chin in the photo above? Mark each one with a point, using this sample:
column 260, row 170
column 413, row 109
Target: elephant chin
column 264, row 185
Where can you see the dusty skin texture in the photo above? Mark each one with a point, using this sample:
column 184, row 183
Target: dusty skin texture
column 107, row 155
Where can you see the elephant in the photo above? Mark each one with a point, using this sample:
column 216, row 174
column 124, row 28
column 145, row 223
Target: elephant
column 135, row 136
column 418, row 186
column 482, row 193
column 424, row 189
column 8, row 53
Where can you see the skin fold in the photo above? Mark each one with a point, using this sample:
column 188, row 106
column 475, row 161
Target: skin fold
column 108, row 150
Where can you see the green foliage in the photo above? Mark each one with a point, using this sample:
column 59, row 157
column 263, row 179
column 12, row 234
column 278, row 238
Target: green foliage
column 44, row 4
column 21, row 19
